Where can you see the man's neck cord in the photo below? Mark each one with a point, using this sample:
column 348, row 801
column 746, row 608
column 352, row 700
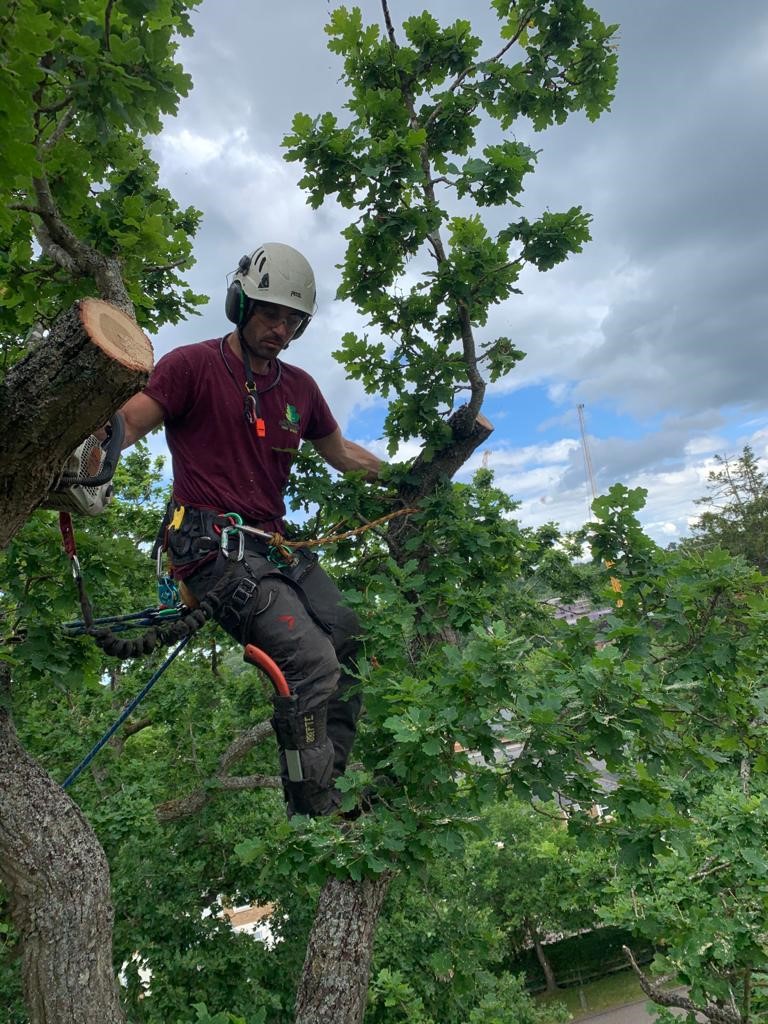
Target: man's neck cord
column 251, row 404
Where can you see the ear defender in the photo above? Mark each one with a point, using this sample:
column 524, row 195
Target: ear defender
column 236, row 302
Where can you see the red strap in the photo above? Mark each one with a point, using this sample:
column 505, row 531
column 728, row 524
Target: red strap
column 256, row 656
column 67, row 534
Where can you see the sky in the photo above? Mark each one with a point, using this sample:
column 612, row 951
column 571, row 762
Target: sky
column 658, row 329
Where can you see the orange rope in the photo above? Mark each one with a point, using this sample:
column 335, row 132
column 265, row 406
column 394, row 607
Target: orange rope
column 281, row 544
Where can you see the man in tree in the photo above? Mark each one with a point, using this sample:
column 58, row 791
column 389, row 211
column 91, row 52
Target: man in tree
column 235, row 415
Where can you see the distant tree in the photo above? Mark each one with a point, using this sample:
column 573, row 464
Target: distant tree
column 736, row 509
column 536, row 879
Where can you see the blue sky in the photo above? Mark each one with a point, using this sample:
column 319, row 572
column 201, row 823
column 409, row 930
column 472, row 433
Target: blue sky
column 658, row 328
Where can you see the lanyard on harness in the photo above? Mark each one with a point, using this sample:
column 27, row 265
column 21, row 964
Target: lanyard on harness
column 252, row 405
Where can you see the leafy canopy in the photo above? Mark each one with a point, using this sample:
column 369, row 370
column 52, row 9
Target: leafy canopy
column 81, row 85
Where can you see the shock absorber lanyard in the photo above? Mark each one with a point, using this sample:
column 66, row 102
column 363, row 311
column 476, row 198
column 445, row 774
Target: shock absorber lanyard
column 251, row 404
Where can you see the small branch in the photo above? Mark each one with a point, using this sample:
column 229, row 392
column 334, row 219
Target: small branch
column 54, row 108
column 108, row 24
column 25, row 208
column 183, row 807
column 243, row 745
column 59, row 130
column 710, row 869
column 468, row 71
column 256, row 781
column 160, row 268
column 63, row 246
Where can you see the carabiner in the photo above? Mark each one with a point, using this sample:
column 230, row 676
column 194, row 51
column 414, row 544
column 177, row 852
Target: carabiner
column 237, row 556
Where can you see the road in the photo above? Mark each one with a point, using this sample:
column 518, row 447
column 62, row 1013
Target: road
column 630, row 1013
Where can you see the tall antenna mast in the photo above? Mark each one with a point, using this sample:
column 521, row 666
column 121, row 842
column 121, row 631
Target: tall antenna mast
column 585, row 451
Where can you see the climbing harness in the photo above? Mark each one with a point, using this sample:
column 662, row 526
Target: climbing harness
column 174, row 622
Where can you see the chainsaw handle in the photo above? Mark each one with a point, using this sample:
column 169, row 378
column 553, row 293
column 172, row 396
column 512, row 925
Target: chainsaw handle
column 112, row 446
column 112, row 449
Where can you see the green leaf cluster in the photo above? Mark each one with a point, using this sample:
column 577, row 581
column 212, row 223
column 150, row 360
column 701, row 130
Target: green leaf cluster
column 408, row 162
column 81, row 86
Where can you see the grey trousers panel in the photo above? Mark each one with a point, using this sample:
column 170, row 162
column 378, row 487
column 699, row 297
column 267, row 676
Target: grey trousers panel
column 312, row 636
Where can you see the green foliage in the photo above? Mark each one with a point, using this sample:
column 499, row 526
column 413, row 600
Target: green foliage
column 702, row 899
column 535, row 876
column 736, row 510
column 409, row 144
column 82, row 86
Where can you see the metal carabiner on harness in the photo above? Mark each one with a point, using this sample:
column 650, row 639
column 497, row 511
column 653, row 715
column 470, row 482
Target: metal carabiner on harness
column 236, row 521
column 167, row 589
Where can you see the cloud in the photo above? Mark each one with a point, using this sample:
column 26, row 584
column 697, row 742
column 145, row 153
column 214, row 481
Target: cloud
column 661, row 320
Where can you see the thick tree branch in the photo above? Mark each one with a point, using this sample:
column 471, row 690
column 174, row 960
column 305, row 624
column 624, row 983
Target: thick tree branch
column 57, row 879
column 717, row 1014
column 468, row 434
column 63, row 246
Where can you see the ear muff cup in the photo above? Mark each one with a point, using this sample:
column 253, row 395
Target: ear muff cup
column 236, row 303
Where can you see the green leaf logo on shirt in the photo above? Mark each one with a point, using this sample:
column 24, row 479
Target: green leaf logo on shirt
column 292, row 419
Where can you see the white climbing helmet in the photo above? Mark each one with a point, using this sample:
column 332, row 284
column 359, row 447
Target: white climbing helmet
column 273, row 273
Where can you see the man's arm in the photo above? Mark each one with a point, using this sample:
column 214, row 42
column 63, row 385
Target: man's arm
column 141, row 414
column 345, row 455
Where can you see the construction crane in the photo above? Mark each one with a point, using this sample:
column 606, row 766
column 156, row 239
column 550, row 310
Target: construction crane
column 585, row 451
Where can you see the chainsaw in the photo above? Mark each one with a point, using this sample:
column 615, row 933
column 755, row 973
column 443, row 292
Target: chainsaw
column 85, row 483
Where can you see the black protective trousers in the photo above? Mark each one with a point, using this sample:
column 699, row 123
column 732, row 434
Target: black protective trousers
column 294, row 613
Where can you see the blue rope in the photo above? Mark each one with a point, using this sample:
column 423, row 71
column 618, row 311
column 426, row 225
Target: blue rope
column 124, row 714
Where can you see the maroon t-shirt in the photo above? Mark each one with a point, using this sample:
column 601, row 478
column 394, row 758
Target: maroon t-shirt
column 219, row 462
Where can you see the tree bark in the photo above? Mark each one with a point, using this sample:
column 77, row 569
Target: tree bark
column 334, row 982
column 541, row 956
column 67, row 386
column 57, row 877
column 425, row 475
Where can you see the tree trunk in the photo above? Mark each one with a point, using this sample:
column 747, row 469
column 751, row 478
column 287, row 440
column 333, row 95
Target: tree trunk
column 541, row 956
column 68, row 385
column 50, row 860
column 57, row 877
column 334, row 982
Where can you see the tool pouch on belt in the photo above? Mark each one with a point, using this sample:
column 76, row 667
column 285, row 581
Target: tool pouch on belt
column 189, row 535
